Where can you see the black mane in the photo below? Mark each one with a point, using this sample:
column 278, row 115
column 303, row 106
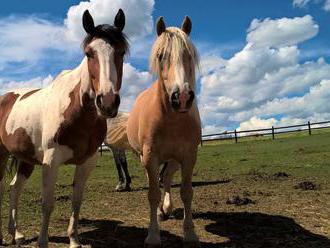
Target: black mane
column 109, row 33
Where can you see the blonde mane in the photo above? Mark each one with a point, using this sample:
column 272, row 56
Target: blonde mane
column 178, row 41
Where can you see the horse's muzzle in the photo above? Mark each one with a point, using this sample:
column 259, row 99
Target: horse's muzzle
column 108, row 104
column 182, row 101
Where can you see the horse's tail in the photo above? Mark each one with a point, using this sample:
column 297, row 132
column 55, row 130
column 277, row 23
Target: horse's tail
column 117, row 131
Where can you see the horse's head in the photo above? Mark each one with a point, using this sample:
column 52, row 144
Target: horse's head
column 174, row 59
column 105, row 47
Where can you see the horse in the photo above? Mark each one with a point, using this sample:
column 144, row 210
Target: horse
column 116, row 140
column 64, row 123
column 164, row 124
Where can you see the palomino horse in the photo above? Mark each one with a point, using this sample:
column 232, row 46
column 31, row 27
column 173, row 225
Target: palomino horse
column 164, row 124
column 117, row 141
column 64, row 122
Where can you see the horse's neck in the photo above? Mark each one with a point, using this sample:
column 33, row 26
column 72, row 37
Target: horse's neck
column 75, row 85
column 85, row 82
column 75, row 82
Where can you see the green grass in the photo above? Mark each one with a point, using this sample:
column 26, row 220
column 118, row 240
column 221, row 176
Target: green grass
column 223, row 170
column 302, row 155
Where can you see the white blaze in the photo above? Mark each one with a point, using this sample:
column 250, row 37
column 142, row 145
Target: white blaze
column 108, row 72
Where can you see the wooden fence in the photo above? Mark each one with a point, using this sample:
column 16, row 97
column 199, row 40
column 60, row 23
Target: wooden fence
column 273, row 131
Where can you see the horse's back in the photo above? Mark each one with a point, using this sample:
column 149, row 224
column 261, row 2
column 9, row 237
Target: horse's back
column 117, row 131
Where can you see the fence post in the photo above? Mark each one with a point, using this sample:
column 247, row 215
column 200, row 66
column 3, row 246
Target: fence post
column 235, row 136
column 101, row 151
column 273, row 133
column 309, row 128
column 202, row 141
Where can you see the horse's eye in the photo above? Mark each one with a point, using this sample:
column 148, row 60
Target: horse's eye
column 89, row 55
column 122, row 54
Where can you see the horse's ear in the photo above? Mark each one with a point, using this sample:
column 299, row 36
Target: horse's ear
column 88, row 22
column 160, row 26
column 120, row 20
column 186, row 25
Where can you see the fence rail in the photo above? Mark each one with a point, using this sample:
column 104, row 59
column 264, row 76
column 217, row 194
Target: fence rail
column 272, row 131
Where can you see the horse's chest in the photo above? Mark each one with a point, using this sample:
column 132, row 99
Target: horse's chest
column 83, row 140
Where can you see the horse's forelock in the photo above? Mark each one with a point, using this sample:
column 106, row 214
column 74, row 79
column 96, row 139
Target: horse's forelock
column 178, row 41
column 110, row 34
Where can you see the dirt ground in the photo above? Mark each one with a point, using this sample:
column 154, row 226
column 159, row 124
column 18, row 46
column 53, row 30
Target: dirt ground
column 248, row 200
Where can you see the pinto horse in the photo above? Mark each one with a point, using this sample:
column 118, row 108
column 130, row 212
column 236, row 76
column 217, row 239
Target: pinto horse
column 64, row 123
column 164, row 124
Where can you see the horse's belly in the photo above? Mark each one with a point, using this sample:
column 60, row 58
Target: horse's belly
column 22, row 140
column 21, row 145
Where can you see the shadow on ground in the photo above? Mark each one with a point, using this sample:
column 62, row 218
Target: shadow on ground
column 256, row 230
column 194, row 184
column 244, row 230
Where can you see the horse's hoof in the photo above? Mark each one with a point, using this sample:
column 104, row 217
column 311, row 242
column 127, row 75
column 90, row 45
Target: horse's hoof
column 19, row 241
column 121, row 187
column 152, row 245
column 191, row 244
column 128, row 188
column 161, row 215
column 41, row 245
column 152, row 242
column 75, row 246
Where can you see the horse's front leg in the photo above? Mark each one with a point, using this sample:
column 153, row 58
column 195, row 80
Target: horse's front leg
column 81, row 175
column 51, row 161
column 186, row 193
column 166, row 208
column 24, row 171
column 3, row 161
column 151, row 165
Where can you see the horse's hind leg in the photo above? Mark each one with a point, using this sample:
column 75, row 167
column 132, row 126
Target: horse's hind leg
column 24, row 171
column 120, row 186
column 3, row 161
column 81, row 175
column 123, row 163
column 166, row 208
column 186, row 192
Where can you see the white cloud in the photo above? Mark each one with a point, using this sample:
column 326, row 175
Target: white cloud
column 37, row 82
column 265, row 79
column 138, row 14
column 257, row 123
column 27, row 39
column 212, row 129
column 134, row 81
column 304, row 3
column 327, row 5
column 300, row 3
column 281, row 32
column 315, row 101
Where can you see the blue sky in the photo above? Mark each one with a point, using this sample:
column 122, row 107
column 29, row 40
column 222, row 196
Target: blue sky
column 218, row 21
column 220, row 32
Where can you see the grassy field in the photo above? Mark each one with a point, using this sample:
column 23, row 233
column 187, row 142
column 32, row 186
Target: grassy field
column 279, row 193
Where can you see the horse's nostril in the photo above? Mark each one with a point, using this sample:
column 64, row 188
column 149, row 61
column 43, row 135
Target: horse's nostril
column 99, row 101
column 175, row 96
column 192, row 95
column 175, row 101
column 117, row 100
